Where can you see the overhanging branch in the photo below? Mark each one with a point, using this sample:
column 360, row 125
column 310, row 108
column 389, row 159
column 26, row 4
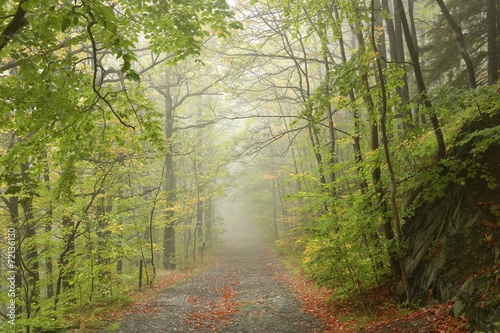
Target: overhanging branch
column 18, row 21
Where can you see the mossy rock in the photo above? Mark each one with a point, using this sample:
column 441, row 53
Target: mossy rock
column 479, row 300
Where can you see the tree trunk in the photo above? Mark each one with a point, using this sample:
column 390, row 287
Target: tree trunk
column 292, row 150
column 101, row 232
column 498, row 37
column 461, row 44
column 275, row 210
column 332, row 160
column 493, row 52
column 198, row 232
column 119, row 246
column 363, row 184
column 374, row 145
column 208, row 223
column 397, row 54
column 400, row 58
column 313, row 136
column 281, row 198
column 376, row 174
column 331, row 133
column 385, row 141
column 412, row 50
column 169, row 250
column 31, row 275
column 169, row 230
column 413, row 27
column 48, row 229
column 66, row 273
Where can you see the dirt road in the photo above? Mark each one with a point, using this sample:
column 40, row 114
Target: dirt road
column 244, row 292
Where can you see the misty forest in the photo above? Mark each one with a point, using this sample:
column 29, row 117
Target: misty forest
column 347, row 153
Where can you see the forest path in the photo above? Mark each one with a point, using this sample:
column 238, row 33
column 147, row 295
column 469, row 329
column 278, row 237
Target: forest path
column 244, row 292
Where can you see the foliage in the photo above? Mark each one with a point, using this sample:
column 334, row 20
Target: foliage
column 82, row 145
column 344, row 79
column 111, row 133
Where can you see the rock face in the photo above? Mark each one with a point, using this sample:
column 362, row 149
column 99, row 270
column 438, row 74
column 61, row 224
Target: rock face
column 454, row 242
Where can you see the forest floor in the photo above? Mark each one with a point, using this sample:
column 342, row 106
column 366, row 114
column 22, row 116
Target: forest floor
column 378, row 313
column 243, row 292
column 248, row 290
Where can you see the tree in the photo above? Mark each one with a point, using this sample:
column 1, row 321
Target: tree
column 422, row 89
column 351, row 96
column 69, row 89
column 493, row 49
column 461, row 43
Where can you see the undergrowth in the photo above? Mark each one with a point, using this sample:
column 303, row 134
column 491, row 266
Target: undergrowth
column 107, row 315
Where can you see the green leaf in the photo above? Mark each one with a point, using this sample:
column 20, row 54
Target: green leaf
column 133, row 76
column 25, row 5
column 108, row 14
column 65, row 24
column 126, row 66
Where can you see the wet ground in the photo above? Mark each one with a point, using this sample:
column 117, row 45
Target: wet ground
column 244, row 292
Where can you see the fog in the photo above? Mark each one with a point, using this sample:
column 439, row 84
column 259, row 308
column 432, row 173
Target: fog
column 237, row 224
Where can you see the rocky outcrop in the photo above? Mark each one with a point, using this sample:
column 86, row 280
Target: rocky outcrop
column 479, row 300
column 454, row 242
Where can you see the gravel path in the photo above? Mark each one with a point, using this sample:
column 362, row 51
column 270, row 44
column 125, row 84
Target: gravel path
column 244, row 292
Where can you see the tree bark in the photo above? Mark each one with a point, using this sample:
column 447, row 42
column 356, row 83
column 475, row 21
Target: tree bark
column 169, row 250
column 198, row 232
column 412, row 50
column 208, row 223
column 332, row 160
column 31, row 265
column 385, row 142
column 376, row 174
column 169, row 261
column 331, row 131
column 18, row 21
column 493, row 52
column 397, row 54
column 471, row 71
column 275, row 209
column 66, row 273
column 316, row 146
column 363, row 184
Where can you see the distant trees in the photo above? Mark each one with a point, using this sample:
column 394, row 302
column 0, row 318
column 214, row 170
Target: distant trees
column 469, row 31
column 83, row 146
column 183, row 92
column 116, row 133
column 367, row 83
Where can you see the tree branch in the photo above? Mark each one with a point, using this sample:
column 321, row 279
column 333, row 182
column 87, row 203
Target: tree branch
column 95, row 84
column 18, row 21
